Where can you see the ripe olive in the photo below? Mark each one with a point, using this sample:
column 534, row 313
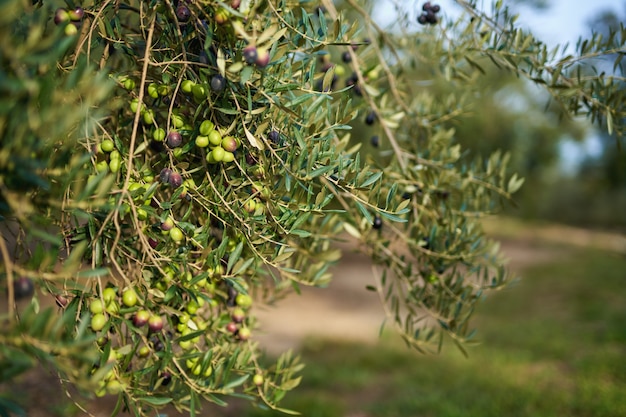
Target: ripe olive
column 176, row 180
column 274, row 136
column 183, row 13
column 218, row 83
column 174, row 139
column 263, row 57
column 155, row 323
column 238, row 315
column 167, row 224
column 164, row 176
column 229, row 144
column 61, row 16
column 378, row 222
column 250, row 54
column 76, row 14
column 23, row 287
column 141, row 318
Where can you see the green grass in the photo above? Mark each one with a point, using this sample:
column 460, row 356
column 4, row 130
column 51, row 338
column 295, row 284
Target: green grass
column 553, row 344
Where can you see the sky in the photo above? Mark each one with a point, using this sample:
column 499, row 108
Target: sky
column 564, row 21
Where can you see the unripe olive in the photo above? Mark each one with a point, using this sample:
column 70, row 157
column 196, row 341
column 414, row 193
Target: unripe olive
column 114, row 165
column 215, row 138
column 109, row 295
column 206, row 127
column 134, row 105
column 153, row 90
column 221, row 16
column 187, row 86
column 70, row 29
column 218, row 154
column 96, row 306
column 148, row 117
column 98, row 321
column 158, row 134
column 199, row 92
column 202, row 141
column 178, row 121
column 257, row 379
column 228, row 157
column 102, row 166
column 129, row 297
column 243, row 300
column 176, row 234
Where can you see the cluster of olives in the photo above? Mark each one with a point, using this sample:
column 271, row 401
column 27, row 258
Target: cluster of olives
column 71, row 18
column 109, row 158
column 148, row 331
column 429, row 14
column 221, row 148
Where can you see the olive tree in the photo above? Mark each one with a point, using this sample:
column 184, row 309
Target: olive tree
column 165, row 166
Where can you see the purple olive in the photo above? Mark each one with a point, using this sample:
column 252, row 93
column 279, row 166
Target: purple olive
column 176, row 180
column 183, row 13
column 164, row 176
column 23, row 287
column 174, row 139
column 250, row 54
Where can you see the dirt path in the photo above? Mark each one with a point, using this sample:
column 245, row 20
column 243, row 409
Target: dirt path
column 346, row 310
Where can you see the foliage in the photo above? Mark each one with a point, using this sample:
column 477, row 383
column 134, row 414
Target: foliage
column 223, row 168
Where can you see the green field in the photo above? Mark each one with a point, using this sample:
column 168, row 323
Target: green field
column 552, row 344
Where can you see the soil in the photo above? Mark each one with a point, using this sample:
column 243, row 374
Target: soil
column 345, row 310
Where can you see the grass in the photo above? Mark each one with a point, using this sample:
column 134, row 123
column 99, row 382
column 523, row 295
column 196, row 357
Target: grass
column 553, row 344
